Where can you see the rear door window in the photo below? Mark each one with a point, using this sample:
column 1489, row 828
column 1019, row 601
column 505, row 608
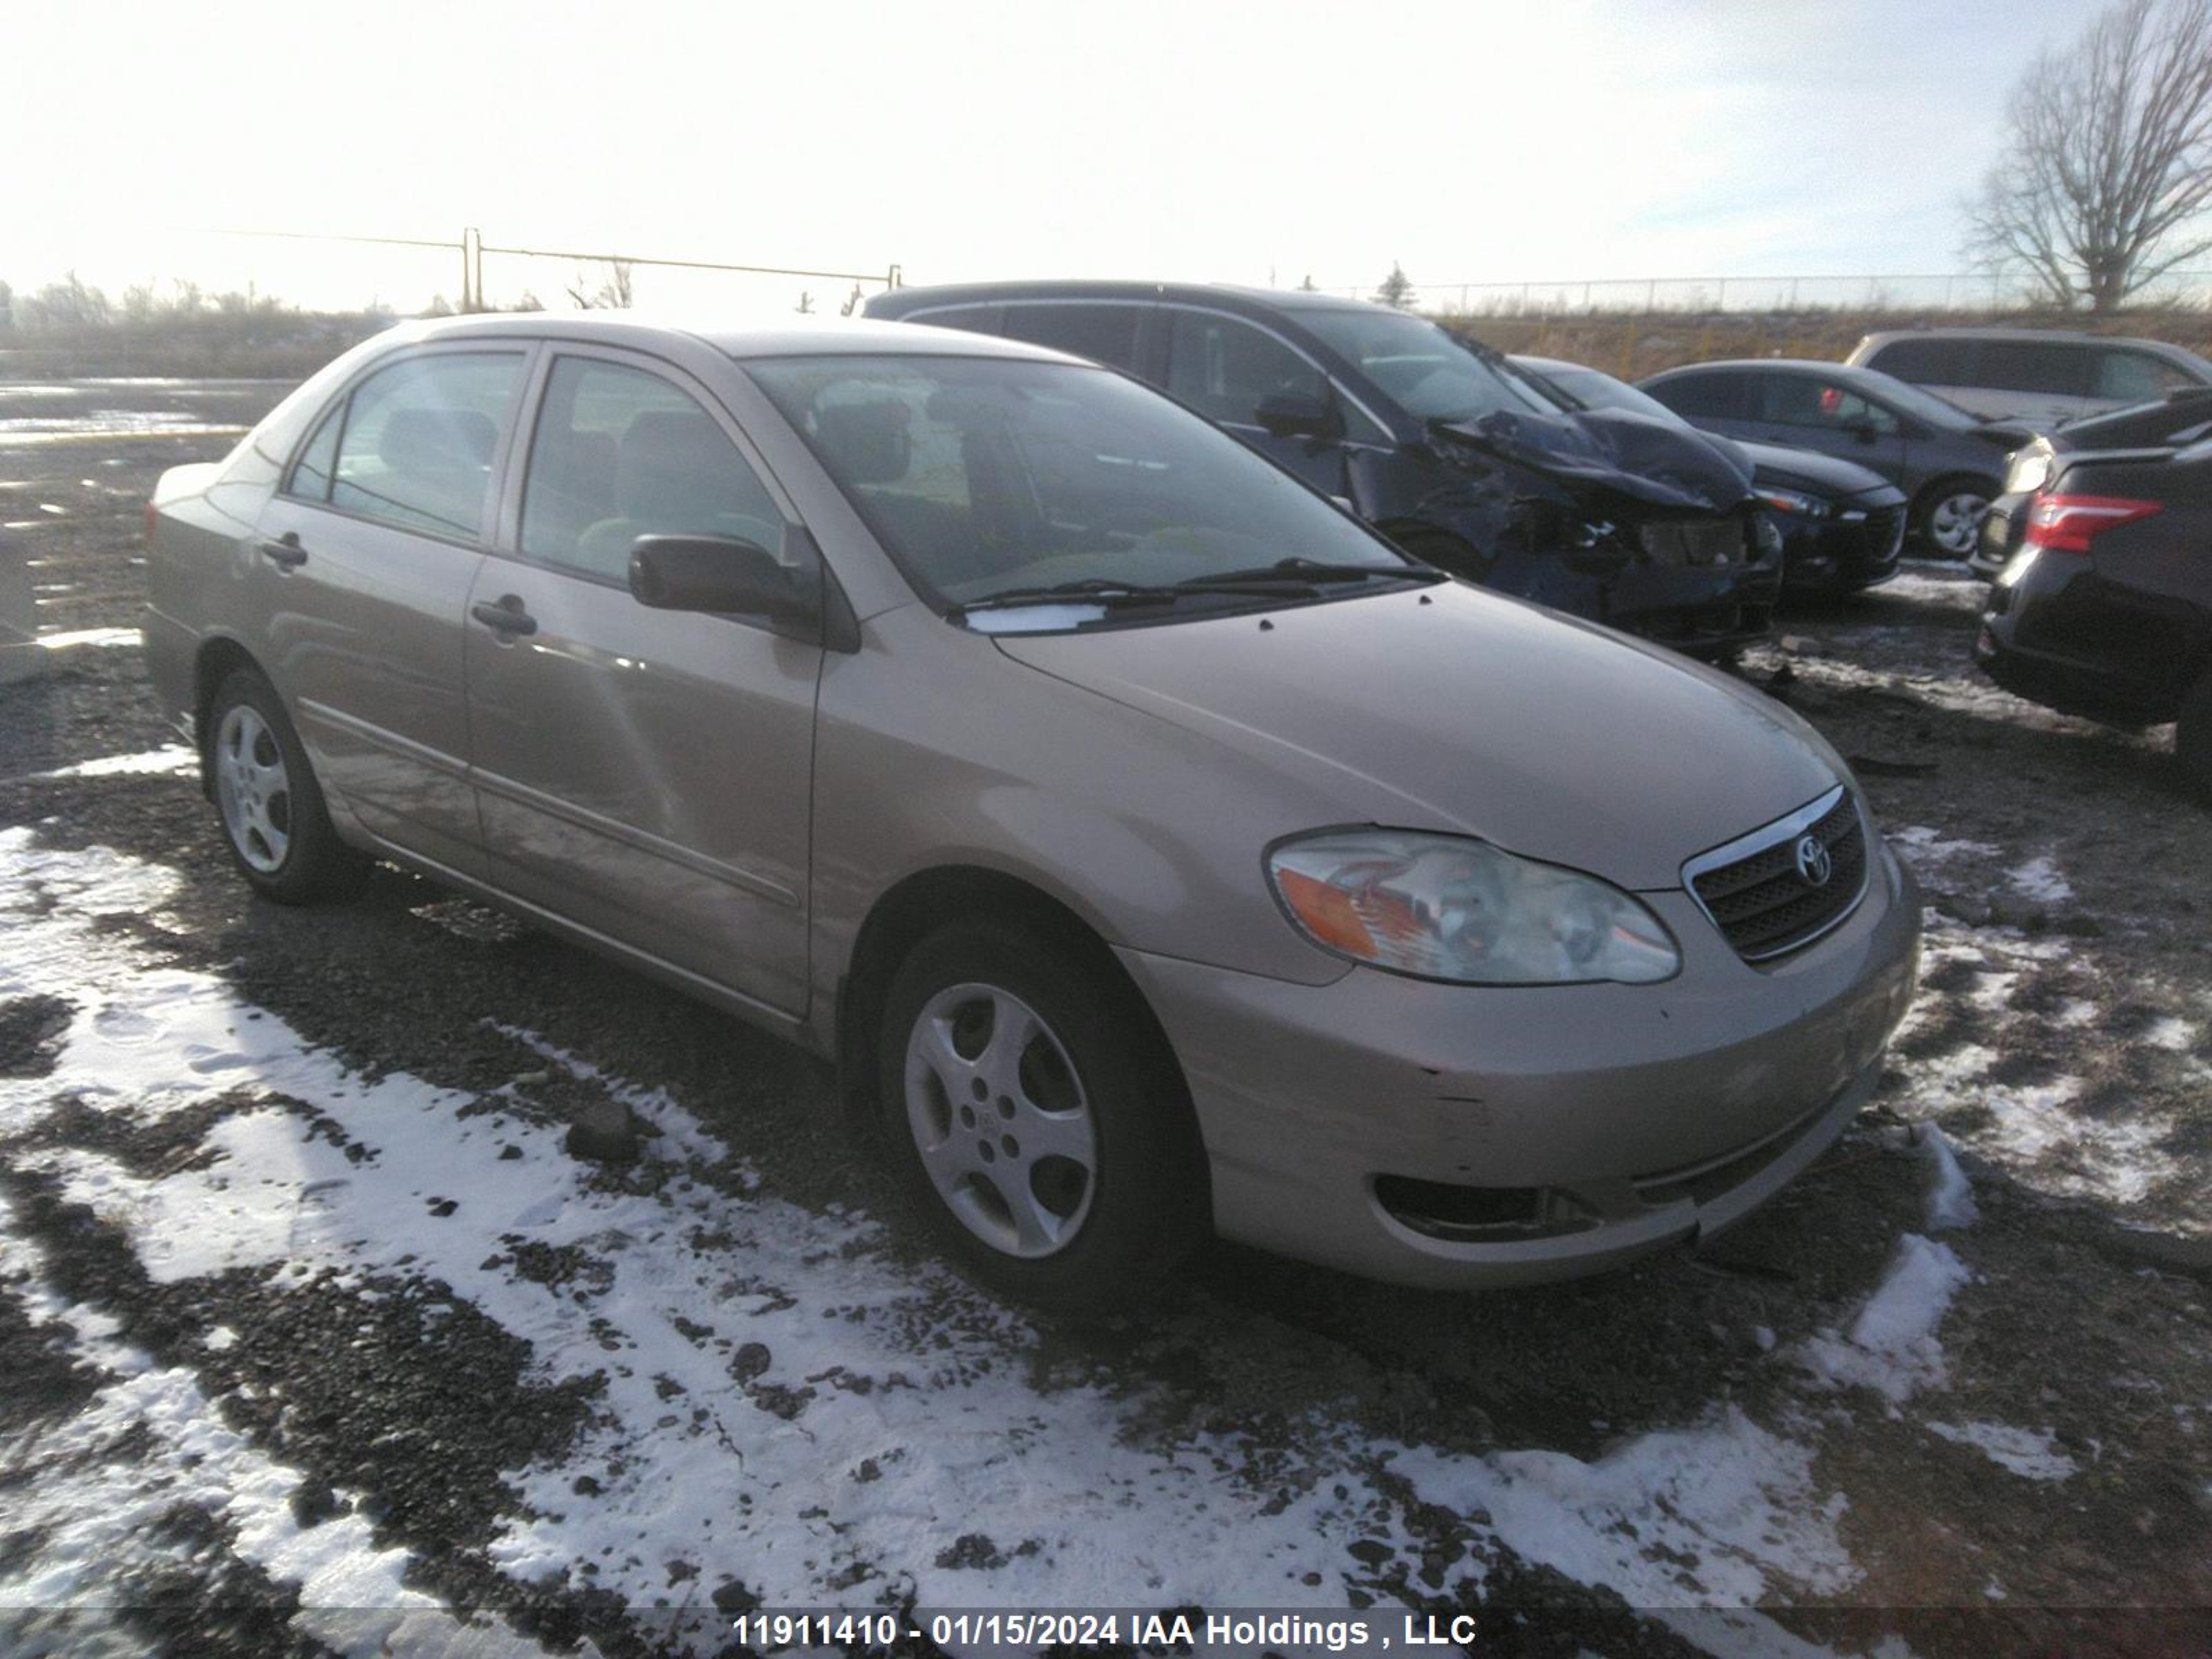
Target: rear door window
column 974, row 319
column 1717, row 396
column 2057, row 368
column 618, row 454
column 1223, row 369
column 419, row 437
column 1932, row 361
column 311, row 473
column 1103, row 333
column 1807, row 400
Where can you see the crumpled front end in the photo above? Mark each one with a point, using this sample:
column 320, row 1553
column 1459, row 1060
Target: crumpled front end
column 1623, row 519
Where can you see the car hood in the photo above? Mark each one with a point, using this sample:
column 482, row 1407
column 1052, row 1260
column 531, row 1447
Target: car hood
column 1807, row 468
column 1455, row 709
column 1615, row 453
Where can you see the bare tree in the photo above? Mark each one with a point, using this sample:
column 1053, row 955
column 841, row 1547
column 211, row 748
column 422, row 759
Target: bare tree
column 2108, row 166
column 612, row 294
column 1397, row 289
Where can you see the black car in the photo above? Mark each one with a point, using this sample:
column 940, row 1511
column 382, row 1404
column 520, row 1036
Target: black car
column 2106, row 609
column 1842, row 527
column 2149, row 430
column 1439, row 442
column 1949, row 462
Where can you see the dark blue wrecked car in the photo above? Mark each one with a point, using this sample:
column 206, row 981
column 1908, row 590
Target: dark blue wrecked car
column 1441, row 443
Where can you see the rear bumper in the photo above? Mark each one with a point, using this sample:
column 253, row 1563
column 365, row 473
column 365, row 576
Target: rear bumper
column 1341, row 1121
column 2055, row 632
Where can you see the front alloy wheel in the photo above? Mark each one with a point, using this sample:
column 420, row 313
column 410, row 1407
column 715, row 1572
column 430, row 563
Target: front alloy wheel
column 1037, row 1117
column 1001, row 1120
column 1954, row 522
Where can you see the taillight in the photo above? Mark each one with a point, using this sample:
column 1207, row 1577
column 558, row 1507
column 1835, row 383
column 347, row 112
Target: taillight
column 151, row 517
column 2068, row 523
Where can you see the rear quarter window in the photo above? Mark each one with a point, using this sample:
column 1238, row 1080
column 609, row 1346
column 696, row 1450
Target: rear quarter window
column 1103, row 333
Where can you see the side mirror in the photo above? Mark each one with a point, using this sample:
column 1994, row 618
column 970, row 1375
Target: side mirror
column 1865, row 430
column 1296, row 415
column 714, row 573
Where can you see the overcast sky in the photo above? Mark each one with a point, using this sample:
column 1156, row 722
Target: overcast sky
column 1476, row 142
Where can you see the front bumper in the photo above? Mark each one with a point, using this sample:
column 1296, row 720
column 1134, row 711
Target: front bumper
column 1702, row 610
column 1634, row 1115
column 1858, row 547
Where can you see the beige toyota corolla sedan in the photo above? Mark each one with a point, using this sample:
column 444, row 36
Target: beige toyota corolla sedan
column 1155, row 850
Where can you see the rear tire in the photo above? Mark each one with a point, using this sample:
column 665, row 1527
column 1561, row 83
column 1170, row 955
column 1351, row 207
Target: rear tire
column 1036, row 1119
column 273, row 821
column 2192, row 737
column 1947, row 517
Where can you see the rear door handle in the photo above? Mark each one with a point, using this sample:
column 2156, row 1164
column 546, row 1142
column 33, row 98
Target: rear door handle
column 285, row 551
column 507, row 616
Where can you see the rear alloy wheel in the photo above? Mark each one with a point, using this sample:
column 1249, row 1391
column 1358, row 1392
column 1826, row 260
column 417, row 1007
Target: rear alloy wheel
column 1036, row 1119
column 273, row 818
column 1951, row 517
column 2192, row 737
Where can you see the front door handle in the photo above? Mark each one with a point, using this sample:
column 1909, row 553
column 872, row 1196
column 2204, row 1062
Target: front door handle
column 285, row 551
column 507, row 616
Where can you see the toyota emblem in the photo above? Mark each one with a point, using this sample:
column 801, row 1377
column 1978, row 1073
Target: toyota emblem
column 1815, row 865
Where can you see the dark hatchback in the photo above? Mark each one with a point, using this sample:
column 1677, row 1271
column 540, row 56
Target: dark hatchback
column 1842, row 526
column 1437, row 441
column 1949, row 463
column 2149, row 431
column 2106, row 609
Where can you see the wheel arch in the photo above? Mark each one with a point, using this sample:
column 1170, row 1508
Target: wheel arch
column 218, row 657
column 917, row 905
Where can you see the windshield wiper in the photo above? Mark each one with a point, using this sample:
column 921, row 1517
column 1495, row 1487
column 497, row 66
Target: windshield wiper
column 1118, row 595
column 1315, row 570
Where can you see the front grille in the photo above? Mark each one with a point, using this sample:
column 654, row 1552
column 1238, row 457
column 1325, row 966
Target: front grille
column 1884, row 532
column 1758, row 893
column 1698, row 542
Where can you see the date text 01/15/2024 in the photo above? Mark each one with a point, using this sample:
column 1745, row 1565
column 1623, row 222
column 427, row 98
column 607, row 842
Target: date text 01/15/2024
column 1219, row 1632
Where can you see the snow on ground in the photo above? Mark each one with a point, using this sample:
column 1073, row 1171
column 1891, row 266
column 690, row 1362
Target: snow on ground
column 1891, row 1346
column 2030, row 1454
column 171, row 760
column 90, row 636
column 784, row 1403
column 93, row 1487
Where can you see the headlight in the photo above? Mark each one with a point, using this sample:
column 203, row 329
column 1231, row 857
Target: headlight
column 1446, row 908
column 1794, row 501
column 2030, row 469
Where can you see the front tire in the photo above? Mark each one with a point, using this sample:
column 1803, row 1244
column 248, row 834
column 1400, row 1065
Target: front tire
column 273, row 821
column 1037, row 1120
column 1948, row 517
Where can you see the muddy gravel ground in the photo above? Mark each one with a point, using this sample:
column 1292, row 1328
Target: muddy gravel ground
column 315, row 1336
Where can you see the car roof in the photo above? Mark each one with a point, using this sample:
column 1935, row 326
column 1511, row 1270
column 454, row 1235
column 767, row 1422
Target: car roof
column 830, row 337
column 1227, row 295
column 1999, row 331
column 1789, row 365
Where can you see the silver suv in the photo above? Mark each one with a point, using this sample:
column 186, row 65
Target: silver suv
column 2039, row 374
column 1155, row 848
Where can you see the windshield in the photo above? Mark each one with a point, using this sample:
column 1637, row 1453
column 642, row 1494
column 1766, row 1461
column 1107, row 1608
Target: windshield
column 1431, row 373
column 983, row 477
column 1594, row 389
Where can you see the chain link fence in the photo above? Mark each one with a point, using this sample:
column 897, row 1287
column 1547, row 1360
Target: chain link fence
column 1961, row 291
